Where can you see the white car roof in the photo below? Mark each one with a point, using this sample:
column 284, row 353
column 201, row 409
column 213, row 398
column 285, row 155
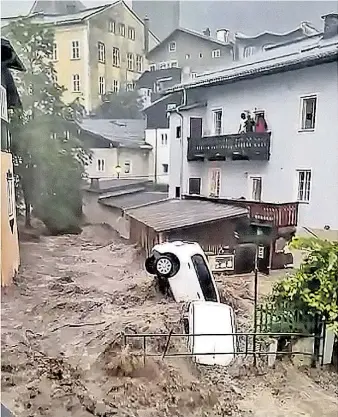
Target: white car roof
column 179, row 248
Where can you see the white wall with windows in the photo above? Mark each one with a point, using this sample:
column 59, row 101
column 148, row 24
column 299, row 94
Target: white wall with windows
column 301, row 108
column 159, row 159
column 134, row 163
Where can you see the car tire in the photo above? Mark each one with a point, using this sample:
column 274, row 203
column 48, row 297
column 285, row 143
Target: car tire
column 150, row 265
column 167, row 265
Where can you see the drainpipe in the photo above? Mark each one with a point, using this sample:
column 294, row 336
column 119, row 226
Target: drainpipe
column 177, row 110
column 155, row 165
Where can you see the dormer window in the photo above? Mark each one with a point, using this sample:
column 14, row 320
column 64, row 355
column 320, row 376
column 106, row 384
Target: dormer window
column 172, row 47
column 216, row 53
column 248, row 51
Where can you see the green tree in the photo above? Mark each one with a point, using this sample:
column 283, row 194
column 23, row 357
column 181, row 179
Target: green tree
column 48, row 161
column 122, row 105
column 313, row 288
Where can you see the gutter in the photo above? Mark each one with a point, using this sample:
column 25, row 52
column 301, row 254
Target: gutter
column 177, row 111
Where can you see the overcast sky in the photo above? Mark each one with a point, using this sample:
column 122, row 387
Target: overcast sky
column 250, row 17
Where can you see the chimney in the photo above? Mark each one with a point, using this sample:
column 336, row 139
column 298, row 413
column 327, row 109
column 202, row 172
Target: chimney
column 330, row 25
column 146, row 34
column 222, row 35
column 206, row 32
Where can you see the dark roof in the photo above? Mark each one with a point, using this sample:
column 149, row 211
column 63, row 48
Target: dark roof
column 132, row 199
column 271, row 63
column 9, row 58
column 176, row 214
column 57, row 7
column 114, row 185
column 126, row 133
column 148, row 78
column 191, row 33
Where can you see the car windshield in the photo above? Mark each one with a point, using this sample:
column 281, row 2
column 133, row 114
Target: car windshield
column 204, row 278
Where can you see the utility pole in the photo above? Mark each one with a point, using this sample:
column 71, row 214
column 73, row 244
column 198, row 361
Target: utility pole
column 255, row 304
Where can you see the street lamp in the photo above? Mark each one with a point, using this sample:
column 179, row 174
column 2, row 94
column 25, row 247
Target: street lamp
column 118, row 170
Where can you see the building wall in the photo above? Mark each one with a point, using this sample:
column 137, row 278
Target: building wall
column 194, row 46
column 96, row 213
column 137, row 158
column 291, row 149
column 159, row 139
column 87, row 66
column 10, row 256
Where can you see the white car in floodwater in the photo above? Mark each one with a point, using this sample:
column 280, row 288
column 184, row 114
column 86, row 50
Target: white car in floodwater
column 183, row 267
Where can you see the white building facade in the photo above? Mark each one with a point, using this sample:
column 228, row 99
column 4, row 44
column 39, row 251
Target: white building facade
column 159, row 157
column 295, row 161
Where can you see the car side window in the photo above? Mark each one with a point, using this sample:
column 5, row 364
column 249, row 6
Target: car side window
column 204, row 278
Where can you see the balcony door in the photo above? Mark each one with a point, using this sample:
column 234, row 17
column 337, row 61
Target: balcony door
column 196, row 127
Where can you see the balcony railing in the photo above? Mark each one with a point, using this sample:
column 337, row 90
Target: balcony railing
column 275, row 214
column 245, row 146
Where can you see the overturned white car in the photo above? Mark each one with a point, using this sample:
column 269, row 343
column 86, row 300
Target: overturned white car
column 182, row 269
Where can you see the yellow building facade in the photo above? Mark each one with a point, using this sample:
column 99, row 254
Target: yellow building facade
column 10, row 256
column 99, row 50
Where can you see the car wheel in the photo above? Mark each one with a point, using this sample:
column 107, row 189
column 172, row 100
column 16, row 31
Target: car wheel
column 164, row 266
column 150, row 265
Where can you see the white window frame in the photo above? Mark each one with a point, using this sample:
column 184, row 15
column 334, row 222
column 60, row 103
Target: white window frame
column 139, row 63
column 111, row 26
column 303, row 100
column 101, row 48
column 152, row 67
column 100, row 165
column 187, row 56
column 193, row 75
column 75, row 50
column 102, row 85
column 127, row 166
column 163, row 65
column 248, row 51
column 214, row 128
column 164, row 139
column 163, row 169
column 130, row 61
column 116, row 60
column 55, row 51
column 131, row 33
column 115, row 86
column 252, row 178
column 76, row 83
column 173, row 64
column 130, row 86
column 215, row 188
column 10, row 194
column 304, row 185
column 172, row 46
column 67, row 134
column 216, row 53
column 122, row 30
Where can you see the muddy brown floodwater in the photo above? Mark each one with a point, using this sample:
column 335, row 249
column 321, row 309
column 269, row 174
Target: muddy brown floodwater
column 62, row 352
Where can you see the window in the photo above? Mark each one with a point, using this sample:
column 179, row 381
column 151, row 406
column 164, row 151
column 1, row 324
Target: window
column 130, row 86
column 172, row 46
column 130, row 61
column 100, row 165
column 127, row 167
column 178, row 132
column 76, row 83
column 164, row 139
column 200, row 55
column 248, row 51
column 195, row 186
column 309, row 107
column 187, row 56
column 193, row 75
column 163, row 65
column 111, row 26
column 216, row 53
column 116, row 57
column 165, row 168
column 139, row 63
column 10, row 194
column 122, row 29
column 66, row 134
column 304, row 186
column 115, row 86
column 152, row 67
column 55, row 51
column 102, row 52
column 173, row 64
column 204, row 278
column 75, row 50
column 215, row 183
column 177, row 192
column 217, row 122
column 256, row 188
column 131, row 33
column 102, row 86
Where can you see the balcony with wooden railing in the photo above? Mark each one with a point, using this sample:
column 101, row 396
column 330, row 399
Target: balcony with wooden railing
column 252, row 146
column 274, row 214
